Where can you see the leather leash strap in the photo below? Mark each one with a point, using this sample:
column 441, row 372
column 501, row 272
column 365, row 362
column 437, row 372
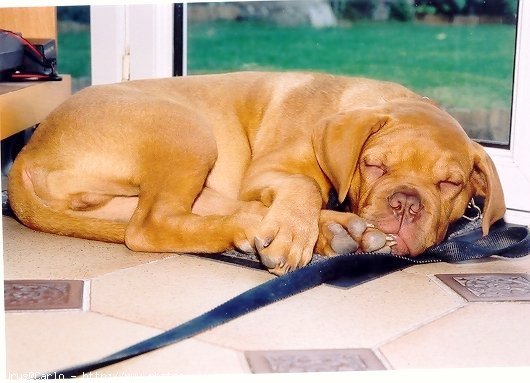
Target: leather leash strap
column 511, row 241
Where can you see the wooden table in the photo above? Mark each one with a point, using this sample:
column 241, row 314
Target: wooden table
column 25, row 104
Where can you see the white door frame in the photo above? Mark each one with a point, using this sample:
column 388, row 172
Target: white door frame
column 131, row 42
column 513, row 165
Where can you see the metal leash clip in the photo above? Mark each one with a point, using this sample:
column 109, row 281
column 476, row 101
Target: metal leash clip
column 473, row 206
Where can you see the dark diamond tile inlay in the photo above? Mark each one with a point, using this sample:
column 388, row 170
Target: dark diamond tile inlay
column 489, row 287
column 43, row 294
column 313, row 361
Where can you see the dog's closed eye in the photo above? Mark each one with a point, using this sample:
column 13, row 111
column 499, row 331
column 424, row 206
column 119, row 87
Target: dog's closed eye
column 450, row 187
column 373, row 169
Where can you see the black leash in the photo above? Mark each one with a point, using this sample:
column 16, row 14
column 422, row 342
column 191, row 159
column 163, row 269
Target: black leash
column 510, row 241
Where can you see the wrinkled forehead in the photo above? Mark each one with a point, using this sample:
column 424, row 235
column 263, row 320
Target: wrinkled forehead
column 425, row 126
column 427, row 139
column 415, row 148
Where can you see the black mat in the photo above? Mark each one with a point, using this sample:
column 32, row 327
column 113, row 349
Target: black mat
column 371, row 270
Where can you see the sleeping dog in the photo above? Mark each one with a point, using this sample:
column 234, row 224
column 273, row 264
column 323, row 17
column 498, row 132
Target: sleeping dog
column 207, row 163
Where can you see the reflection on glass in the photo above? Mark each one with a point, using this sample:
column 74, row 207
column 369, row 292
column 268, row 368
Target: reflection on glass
column 459, row 53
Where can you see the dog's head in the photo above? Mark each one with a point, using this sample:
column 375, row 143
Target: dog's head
column 409, row 168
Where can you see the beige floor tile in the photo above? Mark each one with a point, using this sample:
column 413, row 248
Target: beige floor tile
column 325, row 317
column 29, row 254
column 40, row 342
column 169, row 292
column 410, row 312
column 165, row 293
column 477, row 335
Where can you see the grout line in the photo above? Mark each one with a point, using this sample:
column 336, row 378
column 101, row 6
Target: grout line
column 240, row 353
column 169, row 256
column 199, row 338
column 243, row 362
column 213, row 343
column 36, row 311
column 447, row 289
column 382, row 358
column 419, row 325
column 86, row 295
column 461, row 303
column 129, row 320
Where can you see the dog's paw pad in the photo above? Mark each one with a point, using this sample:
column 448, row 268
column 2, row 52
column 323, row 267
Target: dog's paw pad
column 341, row 242
column 357, row 226
column 373, row 240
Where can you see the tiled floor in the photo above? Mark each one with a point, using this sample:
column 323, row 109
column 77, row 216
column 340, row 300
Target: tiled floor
column 407, row 319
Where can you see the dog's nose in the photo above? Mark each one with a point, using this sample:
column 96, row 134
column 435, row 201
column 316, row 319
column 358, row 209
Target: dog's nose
column 406, row 204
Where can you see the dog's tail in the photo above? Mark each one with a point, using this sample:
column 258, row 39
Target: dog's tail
column 35, row 213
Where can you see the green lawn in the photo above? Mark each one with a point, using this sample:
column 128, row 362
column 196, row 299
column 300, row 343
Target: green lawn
column 462, row 66
column 459, row 66
column 73, row 53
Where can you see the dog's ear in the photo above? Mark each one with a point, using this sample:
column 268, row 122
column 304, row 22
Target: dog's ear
column 488, row 185
column 338, row 141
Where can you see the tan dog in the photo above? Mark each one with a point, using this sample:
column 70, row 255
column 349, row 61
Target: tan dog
column 247, row 160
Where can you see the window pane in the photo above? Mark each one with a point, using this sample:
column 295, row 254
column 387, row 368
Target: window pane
column 74, row 44
column 458, row 53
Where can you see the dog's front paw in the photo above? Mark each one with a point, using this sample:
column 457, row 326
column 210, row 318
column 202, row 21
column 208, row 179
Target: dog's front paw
column 342, row 233
column 247, row 220
column 285, row 243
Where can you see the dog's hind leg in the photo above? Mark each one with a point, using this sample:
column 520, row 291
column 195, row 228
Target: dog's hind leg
column 164, row 221
column 172, row 177
column 132, row 178
column 156, row 217
column 28, row 199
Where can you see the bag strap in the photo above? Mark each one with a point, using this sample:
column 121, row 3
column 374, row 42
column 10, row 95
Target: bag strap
column 507, row 241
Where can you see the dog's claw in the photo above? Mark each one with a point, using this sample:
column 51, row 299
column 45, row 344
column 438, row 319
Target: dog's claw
column 260, row 243
column 385, row 250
